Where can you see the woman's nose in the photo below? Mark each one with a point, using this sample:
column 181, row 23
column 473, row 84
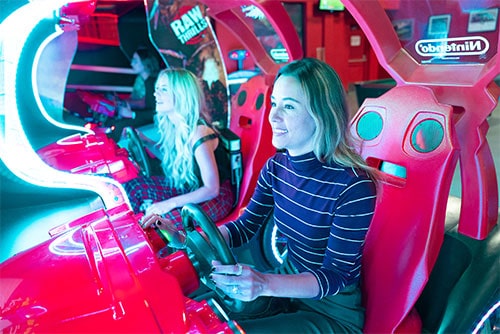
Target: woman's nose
column 274, row 114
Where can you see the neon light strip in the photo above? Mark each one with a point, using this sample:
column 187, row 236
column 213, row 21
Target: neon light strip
column 15, row 149
column 485, row 317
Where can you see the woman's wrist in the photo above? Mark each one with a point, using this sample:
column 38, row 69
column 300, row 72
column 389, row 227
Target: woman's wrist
column 267, row 284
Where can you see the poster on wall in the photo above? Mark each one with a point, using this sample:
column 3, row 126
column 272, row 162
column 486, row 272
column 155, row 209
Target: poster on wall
column 182, row 34
column 404, row 28
column 483, row 20
column 439, row 25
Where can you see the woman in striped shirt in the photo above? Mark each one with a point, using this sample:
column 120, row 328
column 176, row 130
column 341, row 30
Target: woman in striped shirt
column 323, row 195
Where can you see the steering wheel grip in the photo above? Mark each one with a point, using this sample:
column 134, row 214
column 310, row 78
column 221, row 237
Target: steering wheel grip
column 136, row 150
column 193, row 212
column 203, row 251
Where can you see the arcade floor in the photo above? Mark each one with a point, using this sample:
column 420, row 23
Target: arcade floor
column 23, row 227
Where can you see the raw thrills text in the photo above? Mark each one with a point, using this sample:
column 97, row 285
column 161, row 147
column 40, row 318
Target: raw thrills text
column 189, row 25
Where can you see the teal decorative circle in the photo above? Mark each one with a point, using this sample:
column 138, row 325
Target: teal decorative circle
column 427, row 136
column 370, row 125
column 259, row 102
column 242, row 97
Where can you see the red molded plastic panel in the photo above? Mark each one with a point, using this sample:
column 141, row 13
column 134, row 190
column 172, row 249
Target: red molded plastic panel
column 408, row 226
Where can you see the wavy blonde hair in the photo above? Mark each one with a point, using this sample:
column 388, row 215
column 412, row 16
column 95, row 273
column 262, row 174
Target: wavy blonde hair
column 177, row 130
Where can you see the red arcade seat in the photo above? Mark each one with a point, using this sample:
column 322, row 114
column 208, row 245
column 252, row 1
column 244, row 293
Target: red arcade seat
column 403, row 34
column 249, row 122
column 409, row 136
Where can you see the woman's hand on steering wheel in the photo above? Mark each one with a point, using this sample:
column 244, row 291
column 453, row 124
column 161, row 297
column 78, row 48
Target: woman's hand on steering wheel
column 238, row 281
column 175, row 237
column 154, row 220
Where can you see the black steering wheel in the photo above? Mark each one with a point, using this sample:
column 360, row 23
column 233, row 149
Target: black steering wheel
column 136, row 150
column 202, row 250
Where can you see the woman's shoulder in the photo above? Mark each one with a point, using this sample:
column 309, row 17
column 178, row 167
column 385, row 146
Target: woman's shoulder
column 202, row 130
column 348, row 172
column 202, row 134
column 358, row 179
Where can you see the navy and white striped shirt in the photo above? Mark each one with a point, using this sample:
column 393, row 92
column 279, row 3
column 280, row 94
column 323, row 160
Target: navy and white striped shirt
column 324, row 210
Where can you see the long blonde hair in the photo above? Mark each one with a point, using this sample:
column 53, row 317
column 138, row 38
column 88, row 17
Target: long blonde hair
column 178, row 129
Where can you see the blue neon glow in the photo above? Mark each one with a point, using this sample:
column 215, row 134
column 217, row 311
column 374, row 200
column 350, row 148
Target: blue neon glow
column 15, row 149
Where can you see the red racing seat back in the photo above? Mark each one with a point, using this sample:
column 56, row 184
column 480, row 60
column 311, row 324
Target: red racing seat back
column 410, row 138
column 249, row 113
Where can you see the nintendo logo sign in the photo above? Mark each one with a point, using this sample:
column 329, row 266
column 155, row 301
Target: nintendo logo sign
column 459, row 46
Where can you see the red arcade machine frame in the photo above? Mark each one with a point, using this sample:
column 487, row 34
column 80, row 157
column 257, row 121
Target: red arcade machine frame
column 466, row 84
column 444, row 68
